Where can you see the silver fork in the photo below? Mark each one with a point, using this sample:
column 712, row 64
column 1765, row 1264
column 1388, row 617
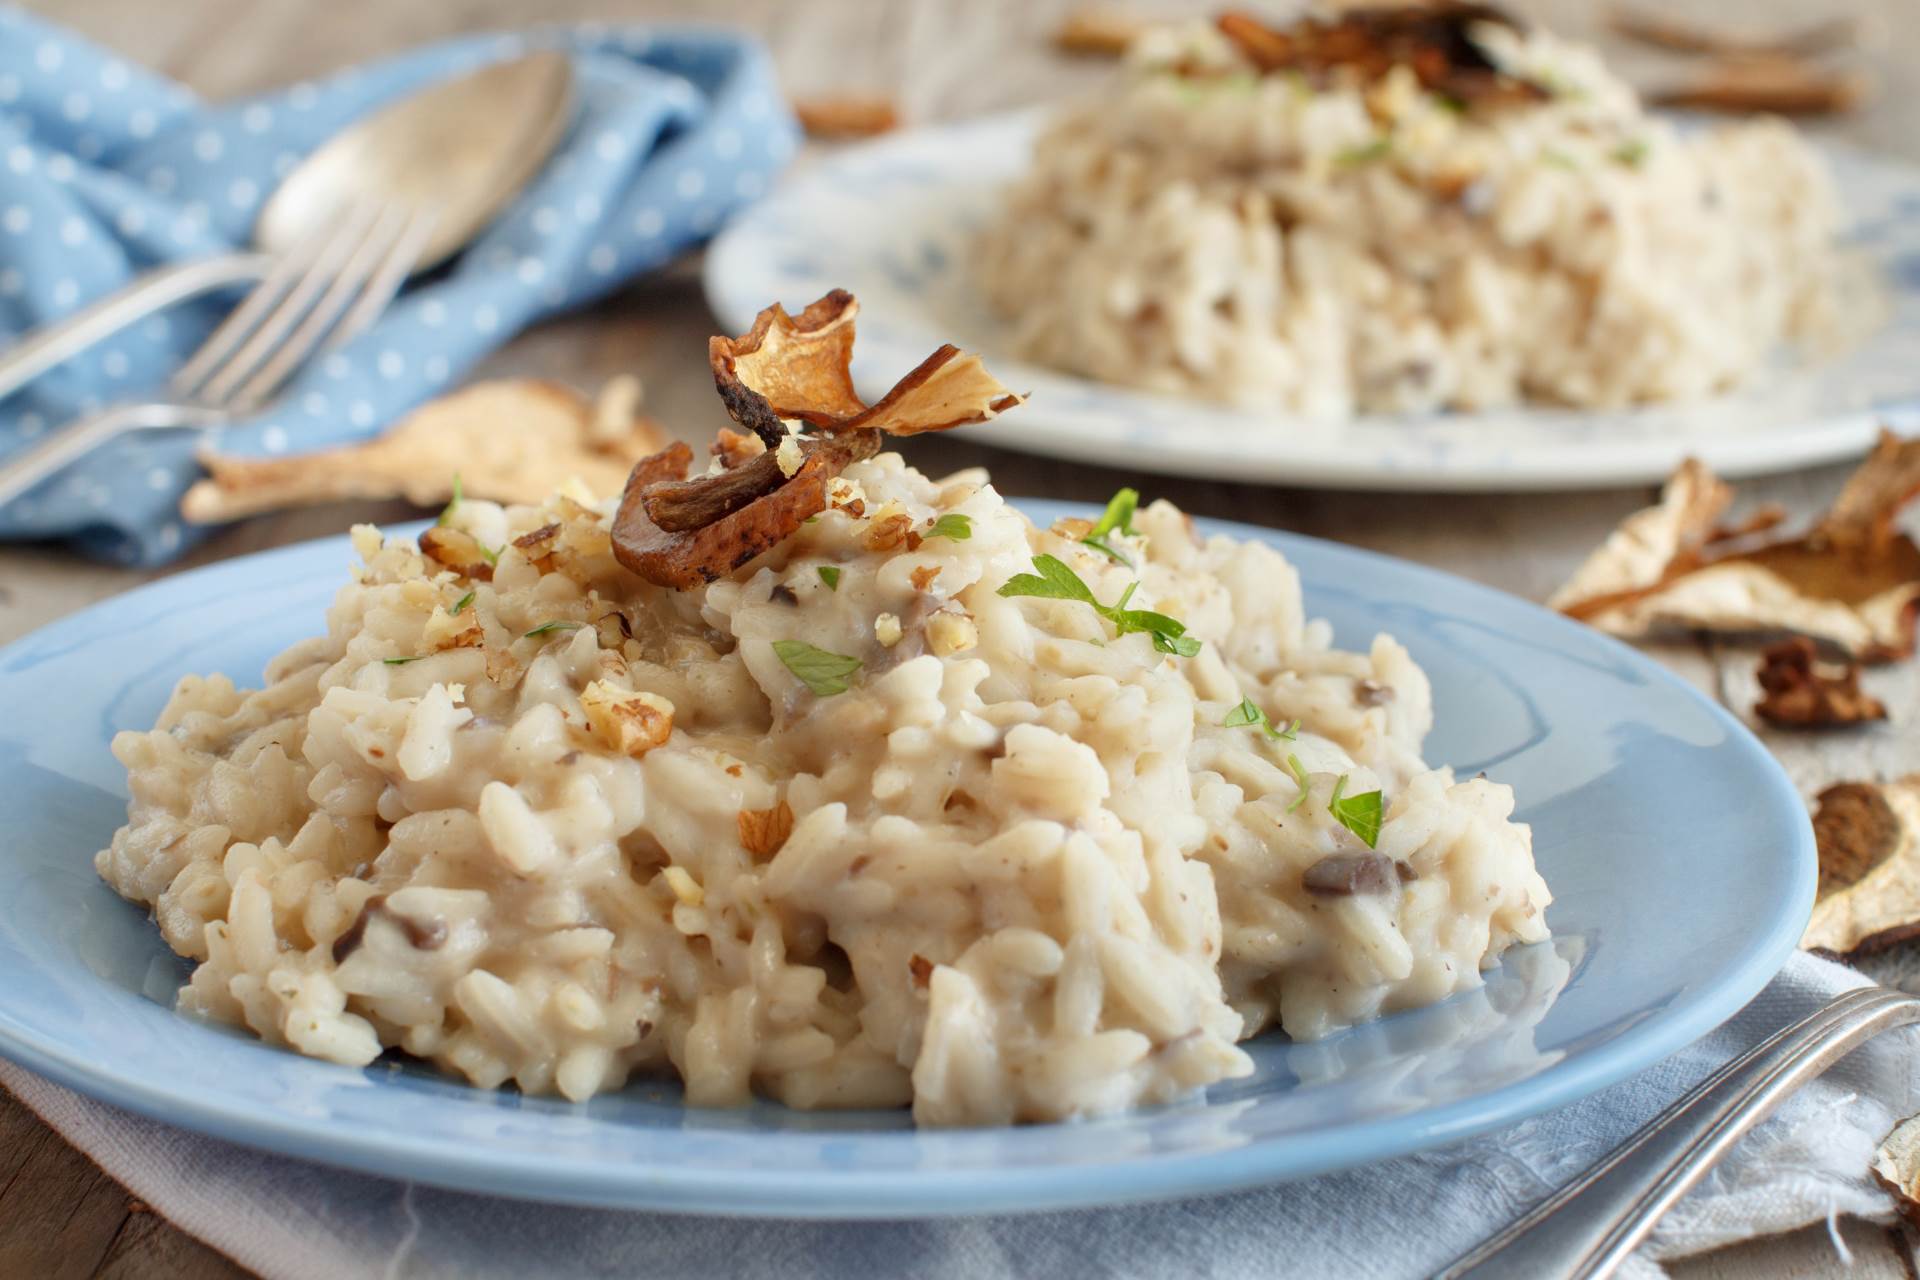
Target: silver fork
column 1587, row 1228
column 327, row 288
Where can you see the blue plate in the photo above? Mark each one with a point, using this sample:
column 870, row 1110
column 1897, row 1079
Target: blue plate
column 1680, row 858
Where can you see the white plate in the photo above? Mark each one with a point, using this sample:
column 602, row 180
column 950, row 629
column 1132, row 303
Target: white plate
column 894, row 221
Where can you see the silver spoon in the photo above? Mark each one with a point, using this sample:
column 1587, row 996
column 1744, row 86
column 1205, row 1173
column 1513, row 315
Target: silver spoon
column 466, row 146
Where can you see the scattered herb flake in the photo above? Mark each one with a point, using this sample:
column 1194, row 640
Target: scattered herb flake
column 1249, row 714
column 830, row 574
column 558, row 624
column 1299, row 773
column 1359, row 814
column 401, row 662
column 1368, row 153
column 459, row 606
column 1558, row 159
column 952, row 525
column 453, row 504
column 1632, row 153
column 823, row 672
column 492, row 556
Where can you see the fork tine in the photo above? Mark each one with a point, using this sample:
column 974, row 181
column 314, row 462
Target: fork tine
column 284, row 277
column 387, row 280
column 334, row 257
column 245, row 388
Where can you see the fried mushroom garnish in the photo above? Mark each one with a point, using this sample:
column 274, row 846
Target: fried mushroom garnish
column 1433, row 41
column 1868, row 897
column 679, row 532
column 1852, row 581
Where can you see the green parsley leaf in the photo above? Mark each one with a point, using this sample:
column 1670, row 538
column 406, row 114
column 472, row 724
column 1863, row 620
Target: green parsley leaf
column 1249, row 714
column 1451, row 104
column 459, row 606
column 823, row 672
column 401, row 662
column 1354, row 157
column 1359, row 814
column 1632, row 153
column 556, row 625
column 1299, row 773
column 453, row 504
column 1053, row 581
column 492, row 557
column 952, row 525
column 1118, row 518
column 1056, row 581
column 830, row 574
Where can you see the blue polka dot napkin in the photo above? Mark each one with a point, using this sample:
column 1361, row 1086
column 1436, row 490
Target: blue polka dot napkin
column 107, row 170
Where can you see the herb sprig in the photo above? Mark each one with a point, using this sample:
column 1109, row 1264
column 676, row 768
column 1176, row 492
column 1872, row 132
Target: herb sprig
column 1054, row 580
column 1249, row 714
column 1359, row 814
column 1118, row 517
column 453, row 504
column 823, row 672
column 830, row 574
column 558, row 624
column 460, row 605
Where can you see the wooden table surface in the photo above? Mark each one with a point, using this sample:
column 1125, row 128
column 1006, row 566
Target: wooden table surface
column 938, row 59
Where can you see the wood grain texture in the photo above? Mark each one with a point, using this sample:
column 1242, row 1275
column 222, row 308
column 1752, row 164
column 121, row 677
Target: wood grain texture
column 938, row 59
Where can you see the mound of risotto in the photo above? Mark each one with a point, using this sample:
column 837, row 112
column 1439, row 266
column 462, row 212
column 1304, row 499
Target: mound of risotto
column 1405, row 210
column 817, row 777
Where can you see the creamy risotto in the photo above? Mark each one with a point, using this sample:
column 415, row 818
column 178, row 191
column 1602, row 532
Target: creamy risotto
column 922, row 805
column 1406, row 214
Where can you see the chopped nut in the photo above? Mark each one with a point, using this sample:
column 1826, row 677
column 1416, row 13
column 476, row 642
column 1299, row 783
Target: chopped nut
column 628, row 722
column 951, row 631
column 889, row 529
column 684, row 886
column 886, row 629
column 789, row 455
column 923, row 577
column 458, row 550
column 764, row 831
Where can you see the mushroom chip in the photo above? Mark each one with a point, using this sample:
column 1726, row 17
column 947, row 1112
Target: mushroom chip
column 676, row 532
column 513, row 440
column 1896, row 1166
column 1852, row 581
column 1869, row 894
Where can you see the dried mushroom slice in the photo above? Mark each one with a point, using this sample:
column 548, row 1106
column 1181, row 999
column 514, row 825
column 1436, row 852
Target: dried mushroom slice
column 1896, row 1166
column 679, row 532
column 1434, row 41
column 1800, row 692
column 1869, row 893
column 509, row 441
column 1853, row 581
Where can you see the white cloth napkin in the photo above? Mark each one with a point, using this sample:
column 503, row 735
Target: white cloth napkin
column 290, row 1220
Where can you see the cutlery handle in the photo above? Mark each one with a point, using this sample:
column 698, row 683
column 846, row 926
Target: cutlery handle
column 157, row 289
column 73, row 441
column 1587, row 1228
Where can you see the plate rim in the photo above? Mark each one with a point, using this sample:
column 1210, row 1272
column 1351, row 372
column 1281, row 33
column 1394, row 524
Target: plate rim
column 1838, row 434
column 764, row 1191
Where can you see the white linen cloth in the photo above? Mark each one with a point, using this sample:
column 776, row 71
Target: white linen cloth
column 290, row 1220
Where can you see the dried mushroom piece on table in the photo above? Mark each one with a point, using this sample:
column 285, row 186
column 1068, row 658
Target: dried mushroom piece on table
column 846, row 115
column 1852, row 581
column 1896, row 1166
column 1768, row 84
column 1869, row 892
column 508, row 441
column 788, row 381
column 1098, row 33
column 1801, row 692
